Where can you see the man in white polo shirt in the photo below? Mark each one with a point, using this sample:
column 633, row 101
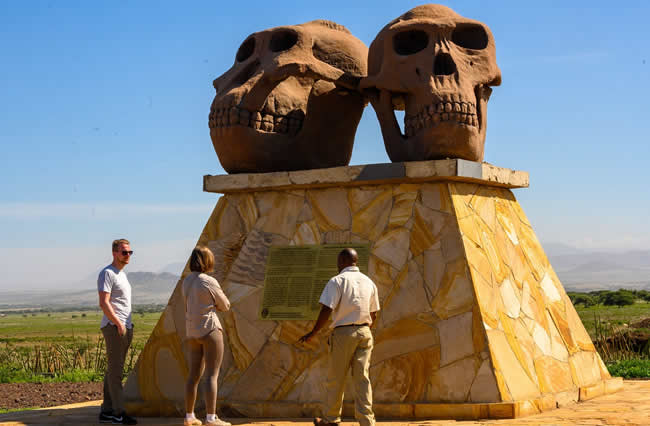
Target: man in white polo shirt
column 352, row 300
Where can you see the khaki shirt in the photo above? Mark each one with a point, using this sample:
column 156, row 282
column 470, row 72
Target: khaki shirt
column 352, row 296
column 203, row 298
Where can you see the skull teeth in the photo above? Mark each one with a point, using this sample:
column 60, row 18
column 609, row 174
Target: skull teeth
column 463, row 113
column 235, row 116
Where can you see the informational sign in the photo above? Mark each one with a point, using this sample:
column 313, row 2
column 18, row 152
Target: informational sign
column 295, row 278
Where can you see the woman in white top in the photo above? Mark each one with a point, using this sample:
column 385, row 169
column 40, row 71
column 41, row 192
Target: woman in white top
column 204, row 335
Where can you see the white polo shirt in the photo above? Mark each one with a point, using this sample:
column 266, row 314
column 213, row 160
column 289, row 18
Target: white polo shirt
column 352, row 296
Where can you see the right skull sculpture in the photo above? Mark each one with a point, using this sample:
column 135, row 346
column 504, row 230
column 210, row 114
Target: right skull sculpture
column 437, row 66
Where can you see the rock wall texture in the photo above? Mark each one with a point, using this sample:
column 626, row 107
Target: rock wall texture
column 474, row 321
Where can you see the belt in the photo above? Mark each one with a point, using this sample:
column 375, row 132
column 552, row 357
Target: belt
column 351, row 325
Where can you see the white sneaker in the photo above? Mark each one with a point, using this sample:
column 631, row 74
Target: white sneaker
column 217, row 422
column 192, row 422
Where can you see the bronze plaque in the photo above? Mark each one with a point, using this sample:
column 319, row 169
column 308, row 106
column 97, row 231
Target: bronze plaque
column 295, row 278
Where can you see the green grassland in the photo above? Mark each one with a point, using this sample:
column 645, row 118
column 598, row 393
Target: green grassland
column 614, row 316
column 65, row 327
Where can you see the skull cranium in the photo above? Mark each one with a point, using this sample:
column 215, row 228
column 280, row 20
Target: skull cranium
column 290, row 102
column 437, row 66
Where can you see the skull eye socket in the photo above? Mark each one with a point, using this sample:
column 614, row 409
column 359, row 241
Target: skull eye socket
column 470, row 36
column 246, row 50
column 283, row 40
column 410, row 42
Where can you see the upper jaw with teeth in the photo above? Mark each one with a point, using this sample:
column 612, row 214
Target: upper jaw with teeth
column 458, row 112
column 229, row 116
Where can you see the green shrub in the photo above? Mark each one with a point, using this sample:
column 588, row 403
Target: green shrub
column 630, row 368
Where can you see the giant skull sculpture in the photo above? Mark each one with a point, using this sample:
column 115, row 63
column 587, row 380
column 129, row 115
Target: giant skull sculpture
column 438, row 67
column 290, row 101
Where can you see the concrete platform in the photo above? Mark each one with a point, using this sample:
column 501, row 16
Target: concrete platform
column 630, row 406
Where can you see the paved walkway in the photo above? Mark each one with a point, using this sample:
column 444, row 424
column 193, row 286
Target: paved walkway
column 631, row 406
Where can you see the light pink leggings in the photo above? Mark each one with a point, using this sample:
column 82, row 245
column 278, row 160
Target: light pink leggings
column 205, row 353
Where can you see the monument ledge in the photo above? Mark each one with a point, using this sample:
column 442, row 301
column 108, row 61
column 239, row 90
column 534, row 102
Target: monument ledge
column 370, row 174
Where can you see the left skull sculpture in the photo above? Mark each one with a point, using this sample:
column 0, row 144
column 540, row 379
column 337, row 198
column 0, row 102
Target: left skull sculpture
column 290, row 101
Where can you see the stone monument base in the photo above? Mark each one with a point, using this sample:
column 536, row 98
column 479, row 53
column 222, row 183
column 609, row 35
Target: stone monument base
column 474, row 322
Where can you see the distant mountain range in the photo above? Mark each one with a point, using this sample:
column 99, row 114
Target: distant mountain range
column 583, row 270
column 579, row 270
column 148, row 288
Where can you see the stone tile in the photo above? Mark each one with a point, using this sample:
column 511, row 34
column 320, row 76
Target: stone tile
column 533, row 251
column 452, row 383
column 225, row 251
column 305, row 214
column 483, row 205
column 558, row 318
column 370, row 220
column 455, row 295
column 171, row 384
column 433, row 272
column 455, row 338
column 382, row 274
column 427, row 225
column 549, row 290
column 558, row 347
column 403, row 199
column 510, row 299
column 528, row 348
column 509, row 330
column 307, row 233
column 393, row 247
column 330, row 208
column 421, row 169
column 585, row 367
column 542, row 339
column 360, row 197
column 403, row 336
column 247, row 211
column 405, row 377
column 282, row 215
column 226, row 218
column 451, row 243
column 554, row 376
column 249, row 306
column 407, row 296
column 484, row 388
column 519, row 384
column 436, row 197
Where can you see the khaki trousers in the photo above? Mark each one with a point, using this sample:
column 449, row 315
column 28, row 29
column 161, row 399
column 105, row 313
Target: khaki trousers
column 350, row 346
column 116, row 349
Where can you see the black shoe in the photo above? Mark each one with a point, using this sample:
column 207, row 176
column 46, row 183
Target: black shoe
column 123, row 419
column 106, row 417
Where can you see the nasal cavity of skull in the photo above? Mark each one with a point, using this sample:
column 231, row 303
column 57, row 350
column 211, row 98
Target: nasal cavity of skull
column 246, row 73
column 283, row 40
column 246, row 50
column 443, row 64
column 470, row 36
column 410, row 42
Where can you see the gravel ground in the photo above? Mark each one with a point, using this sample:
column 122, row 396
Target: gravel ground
column 24, row 395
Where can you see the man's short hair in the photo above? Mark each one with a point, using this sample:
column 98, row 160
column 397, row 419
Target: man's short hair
column 201, row 260
column 116, row 243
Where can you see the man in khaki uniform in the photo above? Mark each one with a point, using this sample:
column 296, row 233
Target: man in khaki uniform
column 352, row 300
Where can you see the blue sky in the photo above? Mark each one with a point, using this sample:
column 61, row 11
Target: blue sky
column 104, row 105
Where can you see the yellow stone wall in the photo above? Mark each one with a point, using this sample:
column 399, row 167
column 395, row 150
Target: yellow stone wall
column 472, row 311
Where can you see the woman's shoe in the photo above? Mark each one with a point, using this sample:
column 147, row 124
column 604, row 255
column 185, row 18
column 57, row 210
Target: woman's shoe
column 217, row 422
column 192, row 422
